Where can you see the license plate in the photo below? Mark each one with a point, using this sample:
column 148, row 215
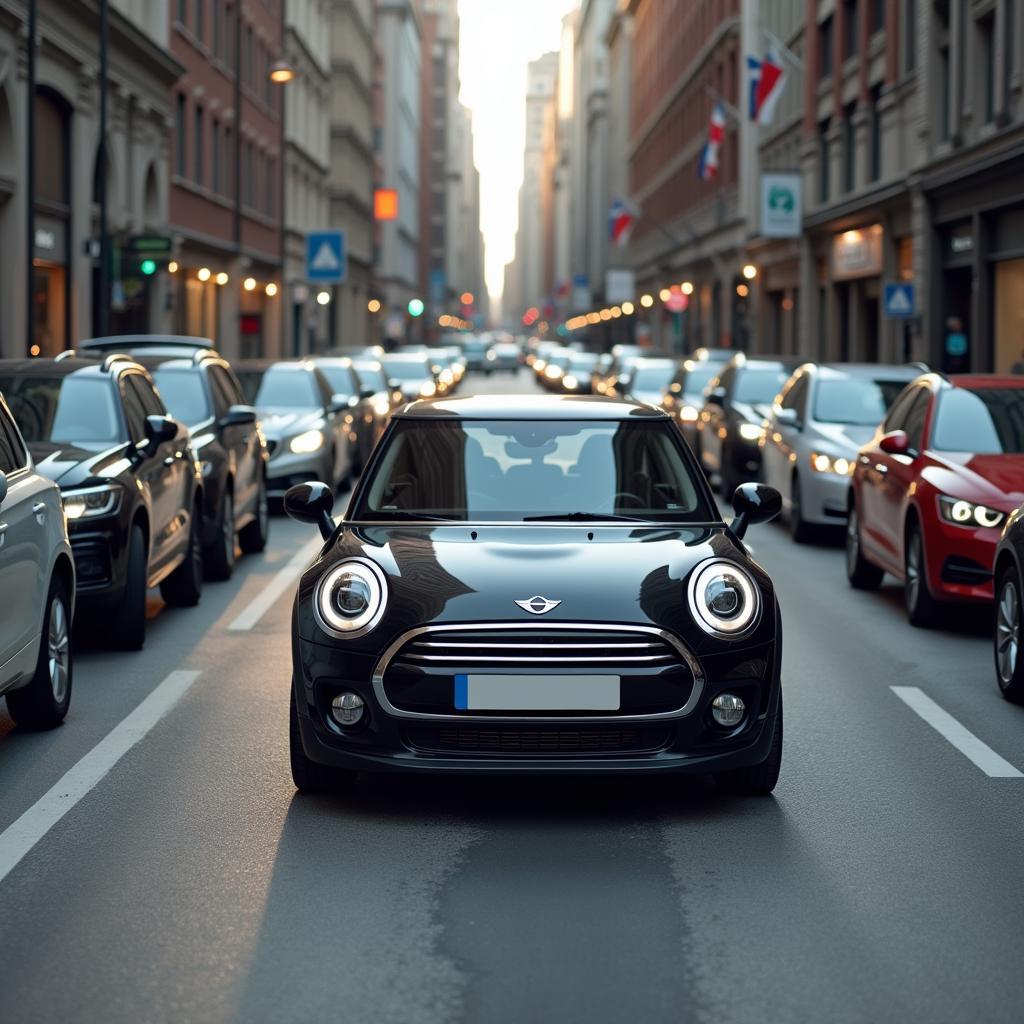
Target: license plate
column 505, row 692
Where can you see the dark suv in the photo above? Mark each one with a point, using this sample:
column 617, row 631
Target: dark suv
column 202, row 392
column 131, row 485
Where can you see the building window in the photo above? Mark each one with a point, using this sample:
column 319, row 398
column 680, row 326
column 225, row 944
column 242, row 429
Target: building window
column 877, row 15
column 215, row 182
column 200, row 20
column 824, row 164
column 944, row 93
column 875, row 163
column 197, row 153
column 987, row 53
column 179, row 137
column 249, row 174
column 218, row 30
column 183, row 11
column 229, row 162
column 849, row 149
column 910, row 35
column 825, row 47
column 271, row 186
column 230, row 38
column 852, row 26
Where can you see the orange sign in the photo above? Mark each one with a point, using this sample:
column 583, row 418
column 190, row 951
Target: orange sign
column 385, row 204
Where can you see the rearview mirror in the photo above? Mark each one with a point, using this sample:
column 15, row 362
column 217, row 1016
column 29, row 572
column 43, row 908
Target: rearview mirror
column 896, row 443
column 754, row 503
column 3, row 487
column 787, row 418
column 160, row 429
column 311, row 502
column 239, row 416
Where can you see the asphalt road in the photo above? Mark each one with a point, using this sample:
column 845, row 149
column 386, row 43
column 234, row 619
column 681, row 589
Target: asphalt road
column 190, row 883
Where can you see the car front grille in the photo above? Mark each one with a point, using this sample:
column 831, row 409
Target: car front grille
column 537, row 741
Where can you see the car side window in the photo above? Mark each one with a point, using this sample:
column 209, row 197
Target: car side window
column 914, row 422
column 727, row 380
column 15, row 446
column 234, row 389
column 220, row 384
column 898, row 413
column 323, row 388
column 795, row 396
column 152, row 403
column 134, row 411
column 8, row 463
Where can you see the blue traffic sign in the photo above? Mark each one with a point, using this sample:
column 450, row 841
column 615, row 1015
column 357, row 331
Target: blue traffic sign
column 326, row 260
column 900, row 300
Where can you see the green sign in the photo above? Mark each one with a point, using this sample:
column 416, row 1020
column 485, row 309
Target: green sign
column 154, row 245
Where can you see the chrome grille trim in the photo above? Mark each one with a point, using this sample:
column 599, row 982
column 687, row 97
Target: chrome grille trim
column 684, row 652
column 624, row 659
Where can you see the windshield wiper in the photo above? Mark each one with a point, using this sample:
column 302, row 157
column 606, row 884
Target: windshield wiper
column 403, row 514
column 584, row 517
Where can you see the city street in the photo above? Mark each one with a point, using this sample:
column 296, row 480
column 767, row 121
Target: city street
column 191, row 882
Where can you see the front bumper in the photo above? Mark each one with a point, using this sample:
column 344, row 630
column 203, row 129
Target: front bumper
column 824, row 497
column 960, row 561
column 285, row 469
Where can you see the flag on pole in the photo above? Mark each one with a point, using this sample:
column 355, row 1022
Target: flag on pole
column 622, row 217
column 767, row 87
column 708, row 166
column 753, row 79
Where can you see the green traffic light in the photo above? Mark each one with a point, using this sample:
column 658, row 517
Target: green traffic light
column 415, row 307
column 148, row 267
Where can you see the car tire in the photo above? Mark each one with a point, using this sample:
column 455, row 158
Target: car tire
column 44, row 702
column 310, row 776
column 184, row 587
column 799, row 528
column 1008, row 619
column 127, row 626
column 252, row 538
column 219, row 557
column 757, row 779
column 861, row 573
column 922, row 609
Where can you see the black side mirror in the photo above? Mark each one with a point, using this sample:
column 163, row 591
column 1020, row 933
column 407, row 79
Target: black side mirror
column 239, row 416
column 788, row 418
column 160, row 429
column 3, row 487
column 754, row 503
column 365, row 393
column 311, row 503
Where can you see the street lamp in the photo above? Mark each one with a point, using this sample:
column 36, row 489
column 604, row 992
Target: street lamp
column 750, row 271
column 281, row 72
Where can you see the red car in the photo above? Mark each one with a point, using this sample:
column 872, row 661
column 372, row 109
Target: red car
column 933, row 488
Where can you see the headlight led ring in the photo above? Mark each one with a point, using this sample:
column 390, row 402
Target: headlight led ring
column 724, row 599
column 351, row 598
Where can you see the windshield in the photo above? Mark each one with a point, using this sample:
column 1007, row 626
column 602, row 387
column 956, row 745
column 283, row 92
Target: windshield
column 341, row 378
column 65, row 410
column 502, row 471
column 756, row 387
column 183, row 394
column 855, row 401
column 653, row 378
column 989, row 421
column 279, row 388
column 372, row 375
column 697, row 379
column 408, row 369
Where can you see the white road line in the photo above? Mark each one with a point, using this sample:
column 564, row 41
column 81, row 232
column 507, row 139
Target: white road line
column 20, row 836
column 994, row 766
column 285, row 579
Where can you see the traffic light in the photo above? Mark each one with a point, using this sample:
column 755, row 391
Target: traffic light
column 415, row 307
column 148, row 267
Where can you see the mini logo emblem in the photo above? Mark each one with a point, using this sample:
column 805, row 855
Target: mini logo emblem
column 537, row 605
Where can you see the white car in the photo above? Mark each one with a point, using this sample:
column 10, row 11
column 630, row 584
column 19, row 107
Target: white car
column 823, row 415
column 37, row 577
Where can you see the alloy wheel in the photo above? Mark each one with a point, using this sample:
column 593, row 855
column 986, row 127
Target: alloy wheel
column 1007, row 631
column 852, row 541
column 227, row 527
column 913, row 582
column 58, row 643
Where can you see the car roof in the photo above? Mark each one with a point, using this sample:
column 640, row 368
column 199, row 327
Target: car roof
column 276, row 364
column 332, row 360
column 891, row 371
column 529, row 407
column 43, row 367
column 640, row 361
column 742, row 360
column 971, row 381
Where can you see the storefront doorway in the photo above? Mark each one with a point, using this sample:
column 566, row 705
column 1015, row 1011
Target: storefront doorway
column 1008, row 354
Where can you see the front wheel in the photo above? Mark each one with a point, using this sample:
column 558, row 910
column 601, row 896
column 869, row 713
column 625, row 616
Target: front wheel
column 44, row 702
column 922, row 608
column 310, row 776
column 1008, row 614
column 859, row 571
column 758, row 779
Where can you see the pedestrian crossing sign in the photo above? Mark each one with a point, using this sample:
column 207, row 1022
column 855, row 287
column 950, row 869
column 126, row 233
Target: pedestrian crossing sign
column 326, row 261
column 900, row 300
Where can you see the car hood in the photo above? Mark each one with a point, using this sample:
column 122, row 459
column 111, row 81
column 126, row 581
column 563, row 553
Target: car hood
column 843, row 438
column 71, row 466
column 281, row 423
column 619, row 574
column 996, row 480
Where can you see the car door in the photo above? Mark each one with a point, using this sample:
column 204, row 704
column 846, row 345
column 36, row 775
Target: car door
column 24, row 559
column 782, row 441
column 240, row 441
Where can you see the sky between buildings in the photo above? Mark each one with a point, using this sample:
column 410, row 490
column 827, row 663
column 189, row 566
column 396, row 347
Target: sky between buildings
column 498, row 39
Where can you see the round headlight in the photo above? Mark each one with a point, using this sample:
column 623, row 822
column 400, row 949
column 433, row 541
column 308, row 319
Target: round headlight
column 724, row 600
column 351, row 598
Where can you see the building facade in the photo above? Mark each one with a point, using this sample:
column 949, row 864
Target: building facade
column 49, row 218
column 225, row 170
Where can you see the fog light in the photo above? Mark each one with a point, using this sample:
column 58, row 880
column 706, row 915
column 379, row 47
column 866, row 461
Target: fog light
column 347, row 708
column 726, row 709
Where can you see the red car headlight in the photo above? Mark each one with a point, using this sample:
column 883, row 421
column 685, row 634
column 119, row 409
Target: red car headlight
column 960, row 512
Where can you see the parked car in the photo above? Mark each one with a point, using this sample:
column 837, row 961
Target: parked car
column 474, row 348
column 541, row 354
column 307, row 436
column 443, row 367
column 358, row 397
column 1008, row 624
column 503, row 357
column 37, row 577
column 384, row 399
column 410, row 373
column 735, row 406
column 684, row 396
column 646, row 379
column 933, row 488
column 824, row 414
column 201, row 391
column 576, row 378
column 491, row 657
column 607, row 374
column 556, row 365
column 129, row 477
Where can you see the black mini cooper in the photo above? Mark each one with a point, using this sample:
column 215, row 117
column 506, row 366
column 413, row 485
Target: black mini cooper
column 535, row 585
